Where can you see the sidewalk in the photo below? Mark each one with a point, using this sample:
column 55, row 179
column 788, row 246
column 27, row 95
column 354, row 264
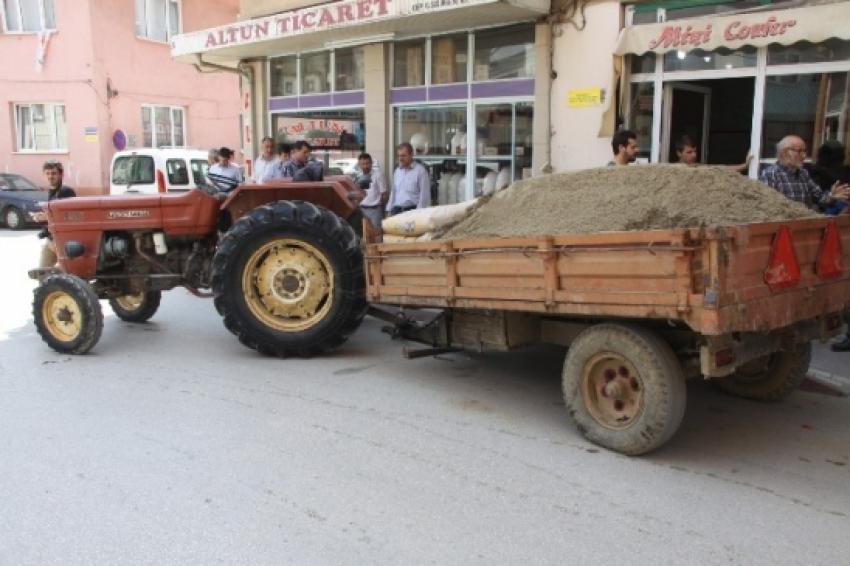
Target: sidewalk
column 830, row 368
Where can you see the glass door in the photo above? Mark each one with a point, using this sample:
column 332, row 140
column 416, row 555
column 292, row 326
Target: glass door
column 687, row 111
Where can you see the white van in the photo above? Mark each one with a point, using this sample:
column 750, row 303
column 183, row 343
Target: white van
column 152, row 170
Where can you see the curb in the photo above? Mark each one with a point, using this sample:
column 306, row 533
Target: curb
column 834, row 381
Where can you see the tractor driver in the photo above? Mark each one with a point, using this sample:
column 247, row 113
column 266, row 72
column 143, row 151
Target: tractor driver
column 53, row 173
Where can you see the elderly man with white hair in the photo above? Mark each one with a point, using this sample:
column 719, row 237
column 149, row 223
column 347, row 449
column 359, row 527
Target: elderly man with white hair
column 789, row 177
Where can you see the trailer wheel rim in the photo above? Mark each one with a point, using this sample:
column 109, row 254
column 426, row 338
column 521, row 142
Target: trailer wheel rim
column 612, row 390
column 130, row 302
column 288, row 284
column 62, row 316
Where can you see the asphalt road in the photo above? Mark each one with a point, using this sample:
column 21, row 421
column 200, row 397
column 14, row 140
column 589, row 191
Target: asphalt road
column 173, row 444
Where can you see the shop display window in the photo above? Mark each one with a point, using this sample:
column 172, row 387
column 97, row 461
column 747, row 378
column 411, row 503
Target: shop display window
column 812, row 106
column 805, row 52
column 337, row 136
column 349, row 68
column 640, row 117
column 699, row 60
column 284, row 76
column 438, row 135
column 504, row 53
column 315, row 72
column 409, row 63
column 500, row 143
column 449, row 58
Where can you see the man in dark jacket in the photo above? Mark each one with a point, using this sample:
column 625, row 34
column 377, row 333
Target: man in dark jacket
column 53, row 172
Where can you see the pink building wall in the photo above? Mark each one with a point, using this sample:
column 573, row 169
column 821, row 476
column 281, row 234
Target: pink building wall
column 96, row 42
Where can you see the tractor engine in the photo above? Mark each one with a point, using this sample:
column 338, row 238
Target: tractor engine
column 135, row 262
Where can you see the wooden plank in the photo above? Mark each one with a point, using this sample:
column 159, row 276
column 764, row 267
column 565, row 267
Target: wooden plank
column 503, row 281
column 550, row 265
column 636, row 283
column 617, row 264
column 501, row 294
column 413, row 266
column 603, row 298
column 500, row 264
column 414, row 280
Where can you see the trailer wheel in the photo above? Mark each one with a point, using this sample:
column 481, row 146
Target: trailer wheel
column 288, row 279
column 624, row 388
column 770, row 378
column 136, row 308
column 67, row 314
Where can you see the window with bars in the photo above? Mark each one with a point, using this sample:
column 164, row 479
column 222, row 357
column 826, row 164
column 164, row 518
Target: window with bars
column 163, row 126
column 28, row 15
column 158, row 20
column 41, row 127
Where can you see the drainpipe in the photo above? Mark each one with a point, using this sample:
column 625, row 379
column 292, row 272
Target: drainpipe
column 244, row 71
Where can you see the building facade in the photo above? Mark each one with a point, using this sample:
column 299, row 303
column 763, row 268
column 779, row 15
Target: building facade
column 82, row 79
column 488, row 91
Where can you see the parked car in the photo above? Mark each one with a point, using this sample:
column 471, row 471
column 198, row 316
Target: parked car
column 348, row 165
column 157, row 170
column 19, row 200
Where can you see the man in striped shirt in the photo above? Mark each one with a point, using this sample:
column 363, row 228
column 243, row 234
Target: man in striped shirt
column 225, row 175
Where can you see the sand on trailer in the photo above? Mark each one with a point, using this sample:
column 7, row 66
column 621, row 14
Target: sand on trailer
column 643, row 197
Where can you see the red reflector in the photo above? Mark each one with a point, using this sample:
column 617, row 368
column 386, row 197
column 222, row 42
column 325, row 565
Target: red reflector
column 829, row 263
column 160, row 181
column 724, row 357
column 783, row 270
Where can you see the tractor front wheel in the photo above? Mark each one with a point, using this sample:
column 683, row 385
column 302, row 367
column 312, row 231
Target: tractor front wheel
column 67, row 314
column 288, row 279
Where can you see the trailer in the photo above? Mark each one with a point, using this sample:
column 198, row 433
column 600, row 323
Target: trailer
column 640, row 312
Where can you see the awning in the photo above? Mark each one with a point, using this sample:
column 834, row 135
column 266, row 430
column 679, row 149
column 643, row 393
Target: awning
column 812, row 23
column 346, row 22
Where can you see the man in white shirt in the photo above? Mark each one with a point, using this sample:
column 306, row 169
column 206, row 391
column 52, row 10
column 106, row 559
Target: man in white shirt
column 371, row 180
column 265, row 160
column 411, row 183
column 225, row 175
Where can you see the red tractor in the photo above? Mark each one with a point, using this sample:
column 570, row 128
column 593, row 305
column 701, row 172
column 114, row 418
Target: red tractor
column 283, row 263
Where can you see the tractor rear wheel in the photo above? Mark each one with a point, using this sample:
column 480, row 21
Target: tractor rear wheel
column 288, row 279
column 67, row 314
column 136, row 308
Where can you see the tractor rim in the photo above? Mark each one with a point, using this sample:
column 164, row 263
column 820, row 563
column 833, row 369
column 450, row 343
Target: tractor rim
column 130, row 302
column 612, row 390
column 62, row 316
column 288, row 284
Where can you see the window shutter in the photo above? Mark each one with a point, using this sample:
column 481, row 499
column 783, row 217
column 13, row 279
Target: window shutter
column 141, row 27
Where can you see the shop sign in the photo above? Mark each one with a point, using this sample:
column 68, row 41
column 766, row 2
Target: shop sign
column 737, row 30
column 584, row 97
column 311, row 19
column 320, row 133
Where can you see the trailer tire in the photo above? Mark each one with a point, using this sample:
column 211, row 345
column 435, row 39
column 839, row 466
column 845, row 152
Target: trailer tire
column 136, row 308
column 67, row 314
column 624, row 388
column 771, row 378
column 288, row 279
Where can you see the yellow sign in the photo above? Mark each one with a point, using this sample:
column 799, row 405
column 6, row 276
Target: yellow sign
column 584, row 97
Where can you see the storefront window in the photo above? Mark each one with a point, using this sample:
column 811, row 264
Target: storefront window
column 504, row 53
column 337, row 136
column 805, row 52
column 409, row 63
column 503, row 148
column 284, row 76
column 349, row 68
column 813, row 107
column 448, row 59
column 439, row 138
column 315, row 72
column 643, row 63
column 640, row 117
column 698, row 60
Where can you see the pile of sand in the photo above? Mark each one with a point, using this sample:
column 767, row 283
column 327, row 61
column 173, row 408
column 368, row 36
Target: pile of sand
column 646, row 197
